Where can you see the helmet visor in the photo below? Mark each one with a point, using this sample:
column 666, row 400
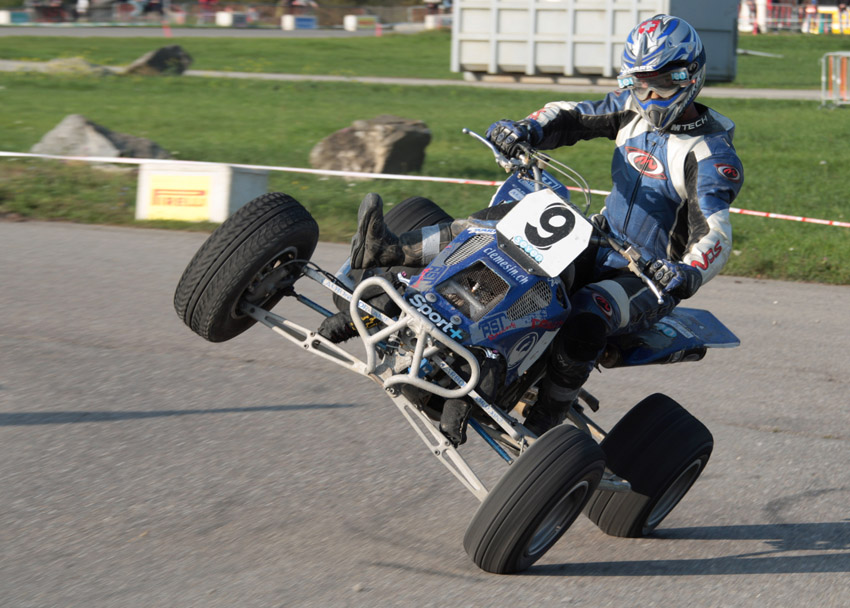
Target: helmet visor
column 665, row 84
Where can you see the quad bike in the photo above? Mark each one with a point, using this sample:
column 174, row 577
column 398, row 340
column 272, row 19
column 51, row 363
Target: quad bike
column 482, row 314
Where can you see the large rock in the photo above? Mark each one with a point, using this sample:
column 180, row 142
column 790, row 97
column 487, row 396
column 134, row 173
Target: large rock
column 165, row 60
column 386, row 144
column 78, row 136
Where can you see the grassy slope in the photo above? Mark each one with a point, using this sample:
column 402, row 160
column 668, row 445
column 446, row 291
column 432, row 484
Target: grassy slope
column 422, row 56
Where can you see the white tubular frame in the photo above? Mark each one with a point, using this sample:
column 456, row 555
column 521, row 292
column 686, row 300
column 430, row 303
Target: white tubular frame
column 427, row 336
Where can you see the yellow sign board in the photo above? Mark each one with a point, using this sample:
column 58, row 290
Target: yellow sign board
column 179, row 197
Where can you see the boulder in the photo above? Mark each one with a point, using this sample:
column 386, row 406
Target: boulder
column 78, row 136
column 75, row 66
column 171, row 60
column 385, row 144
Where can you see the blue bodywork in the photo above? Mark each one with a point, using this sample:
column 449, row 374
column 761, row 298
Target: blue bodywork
column 517, row 313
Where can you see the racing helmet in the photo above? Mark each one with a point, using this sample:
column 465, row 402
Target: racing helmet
column 663, row 54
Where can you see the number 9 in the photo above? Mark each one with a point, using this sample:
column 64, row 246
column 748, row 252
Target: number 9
column 557, row 232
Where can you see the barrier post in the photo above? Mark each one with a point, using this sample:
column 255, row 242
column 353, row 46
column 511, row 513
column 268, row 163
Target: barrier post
column 834, row 79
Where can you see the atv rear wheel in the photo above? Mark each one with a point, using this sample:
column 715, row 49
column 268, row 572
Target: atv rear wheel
column 536, row 500
column 254, row 256
column 661, row 449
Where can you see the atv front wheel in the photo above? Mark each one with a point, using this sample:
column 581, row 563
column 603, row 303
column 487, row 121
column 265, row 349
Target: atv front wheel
column 253, row 257
column 536, row 500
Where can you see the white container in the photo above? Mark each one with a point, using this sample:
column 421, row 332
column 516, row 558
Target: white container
column 352, row 23
column 195, row 192
column 230, row 19
column 5, row 18
column 438, row 22
column 578, row 37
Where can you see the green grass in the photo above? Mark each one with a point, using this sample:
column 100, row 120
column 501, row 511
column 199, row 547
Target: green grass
column 794, row 153
column 798, row 68
column 423, row 55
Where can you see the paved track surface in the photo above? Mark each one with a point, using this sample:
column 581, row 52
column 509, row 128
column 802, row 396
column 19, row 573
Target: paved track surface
column 143, row 467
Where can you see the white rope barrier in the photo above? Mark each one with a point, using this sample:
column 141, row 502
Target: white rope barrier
column 390, row 176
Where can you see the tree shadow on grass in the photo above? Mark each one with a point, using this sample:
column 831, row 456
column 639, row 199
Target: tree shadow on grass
column 67, row 417
column 828, row 542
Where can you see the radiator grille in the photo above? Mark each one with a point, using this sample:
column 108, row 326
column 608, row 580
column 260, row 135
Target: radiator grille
column 533, row 300
column 469, row 247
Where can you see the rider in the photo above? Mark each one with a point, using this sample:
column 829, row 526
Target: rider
column 675, row 174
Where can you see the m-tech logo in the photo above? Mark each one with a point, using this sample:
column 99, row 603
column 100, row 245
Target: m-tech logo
column 645, row 163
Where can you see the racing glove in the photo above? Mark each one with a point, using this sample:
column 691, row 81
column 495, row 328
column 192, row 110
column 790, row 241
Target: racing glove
column 679, row 280
column 506, row 135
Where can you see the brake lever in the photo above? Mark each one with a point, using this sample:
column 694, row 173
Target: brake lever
column 635, row 260
column 508, row 164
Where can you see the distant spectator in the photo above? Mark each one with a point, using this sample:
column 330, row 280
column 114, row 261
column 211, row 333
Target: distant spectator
column 154, row 6
column 207, row 11
column 81, row 11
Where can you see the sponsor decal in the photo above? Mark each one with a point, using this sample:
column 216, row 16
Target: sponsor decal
column 645, row 162
column 521, row 349
column 422, row 276
column 546, row 324
column 729, row 172
column 690, row 126
column 528, row 249
column 603, row 304
column 708, row 257
column 667, row 331
column 421, row 304
column 507, row 265
column 536, row 115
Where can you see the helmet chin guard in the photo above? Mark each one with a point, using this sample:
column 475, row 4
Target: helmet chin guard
column 664, row 55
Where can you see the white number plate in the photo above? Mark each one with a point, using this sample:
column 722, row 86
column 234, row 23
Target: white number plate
column 547, row 230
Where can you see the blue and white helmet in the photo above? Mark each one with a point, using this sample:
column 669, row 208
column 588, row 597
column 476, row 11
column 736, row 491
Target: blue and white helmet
column 663, row 54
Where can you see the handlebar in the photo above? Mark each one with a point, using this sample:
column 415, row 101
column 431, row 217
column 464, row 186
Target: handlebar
column 508, row 164
column 527, row 159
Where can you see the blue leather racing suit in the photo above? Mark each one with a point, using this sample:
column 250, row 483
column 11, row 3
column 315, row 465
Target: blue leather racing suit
column 670, row 197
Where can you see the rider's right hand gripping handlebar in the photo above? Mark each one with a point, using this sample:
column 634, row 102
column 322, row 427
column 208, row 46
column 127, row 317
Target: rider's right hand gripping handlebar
column 522, row 160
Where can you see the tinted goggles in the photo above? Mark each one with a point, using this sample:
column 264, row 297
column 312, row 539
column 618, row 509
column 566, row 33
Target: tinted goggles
column 666, row 84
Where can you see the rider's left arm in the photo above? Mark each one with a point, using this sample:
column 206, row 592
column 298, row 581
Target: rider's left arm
column 713, row 183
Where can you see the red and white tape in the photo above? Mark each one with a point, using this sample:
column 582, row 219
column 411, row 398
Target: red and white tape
column 415, row 178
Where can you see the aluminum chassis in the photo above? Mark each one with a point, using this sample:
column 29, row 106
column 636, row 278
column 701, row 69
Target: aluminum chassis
column 405, row 343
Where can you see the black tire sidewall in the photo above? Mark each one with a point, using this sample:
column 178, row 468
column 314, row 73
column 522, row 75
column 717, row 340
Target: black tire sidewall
column 651, row 446
column 214, row 281
column 502, row 529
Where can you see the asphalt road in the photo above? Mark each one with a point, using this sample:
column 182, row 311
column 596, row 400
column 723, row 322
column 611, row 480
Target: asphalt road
column 143, row 467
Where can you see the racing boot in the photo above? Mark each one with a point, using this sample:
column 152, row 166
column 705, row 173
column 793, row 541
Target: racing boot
column 339, row 327
column 552, row 406
column 577, row 346
column 453, row 420
column 557, row 393
column 373, row 243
